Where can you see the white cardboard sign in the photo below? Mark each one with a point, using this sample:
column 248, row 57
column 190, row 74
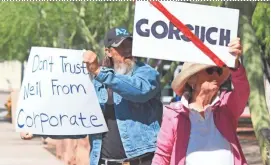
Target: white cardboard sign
column 155, row 37
column 57, row 96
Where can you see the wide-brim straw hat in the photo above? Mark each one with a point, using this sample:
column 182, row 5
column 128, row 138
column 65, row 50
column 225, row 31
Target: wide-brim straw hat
column 188, row 70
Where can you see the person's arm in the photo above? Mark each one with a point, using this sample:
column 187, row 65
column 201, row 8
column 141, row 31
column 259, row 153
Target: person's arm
column 143, row 85
column 237, row 99
column 165, row 141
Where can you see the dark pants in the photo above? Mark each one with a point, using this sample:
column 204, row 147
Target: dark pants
column 141, row 160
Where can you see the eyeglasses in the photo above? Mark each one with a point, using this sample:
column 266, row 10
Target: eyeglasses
column 210, row 71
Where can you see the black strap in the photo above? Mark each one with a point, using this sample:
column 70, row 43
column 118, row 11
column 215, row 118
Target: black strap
column 133, row 161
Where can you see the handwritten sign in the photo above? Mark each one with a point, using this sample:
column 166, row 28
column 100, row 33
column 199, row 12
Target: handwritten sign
column 156, row 37
column 57, row 96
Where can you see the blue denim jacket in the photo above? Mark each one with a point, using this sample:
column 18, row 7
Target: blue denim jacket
column 138, row 109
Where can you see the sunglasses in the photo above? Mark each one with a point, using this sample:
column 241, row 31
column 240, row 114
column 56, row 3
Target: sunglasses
column 210, row 71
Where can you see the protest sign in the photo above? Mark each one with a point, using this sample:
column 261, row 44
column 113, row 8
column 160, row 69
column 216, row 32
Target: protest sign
column 57, row 96
column 156, row 37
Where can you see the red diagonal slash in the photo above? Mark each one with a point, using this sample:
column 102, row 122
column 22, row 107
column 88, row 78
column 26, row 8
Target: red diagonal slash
column 186, row 31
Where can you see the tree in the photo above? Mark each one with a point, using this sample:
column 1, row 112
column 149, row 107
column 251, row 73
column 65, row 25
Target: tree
column 77, row 25
column 261, row 24
column 28, row 24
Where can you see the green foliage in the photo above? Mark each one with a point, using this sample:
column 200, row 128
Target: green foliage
column 25, row 25
column 77, row 25
column 261, row 24
column 210, row 3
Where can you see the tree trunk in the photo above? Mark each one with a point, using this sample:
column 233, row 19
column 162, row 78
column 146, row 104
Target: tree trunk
column 85, row 33
column 254, row 67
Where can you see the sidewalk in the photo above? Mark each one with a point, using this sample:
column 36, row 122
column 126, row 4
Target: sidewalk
column 15, row 151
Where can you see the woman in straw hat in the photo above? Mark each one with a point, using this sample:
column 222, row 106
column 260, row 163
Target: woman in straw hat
column 201, row 128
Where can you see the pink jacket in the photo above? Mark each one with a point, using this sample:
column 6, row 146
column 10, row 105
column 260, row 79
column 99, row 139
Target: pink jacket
column 174, row 135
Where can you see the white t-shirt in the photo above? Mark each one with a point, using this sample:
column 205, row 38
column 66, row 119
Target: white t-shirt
column 206, row 145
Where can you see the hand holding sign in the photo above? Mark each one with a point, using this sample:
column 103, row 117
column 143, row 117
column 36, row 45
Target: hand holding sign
column 235, row 49
column 90, row 58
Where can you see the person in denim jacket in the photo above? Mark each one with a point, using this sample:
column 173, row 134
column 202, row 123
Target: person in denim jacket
column 129, row 95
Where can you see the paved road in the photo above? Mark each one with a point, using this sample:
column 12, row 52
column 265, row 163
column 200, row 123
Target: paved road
column 251, row 150
column 14, row 151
